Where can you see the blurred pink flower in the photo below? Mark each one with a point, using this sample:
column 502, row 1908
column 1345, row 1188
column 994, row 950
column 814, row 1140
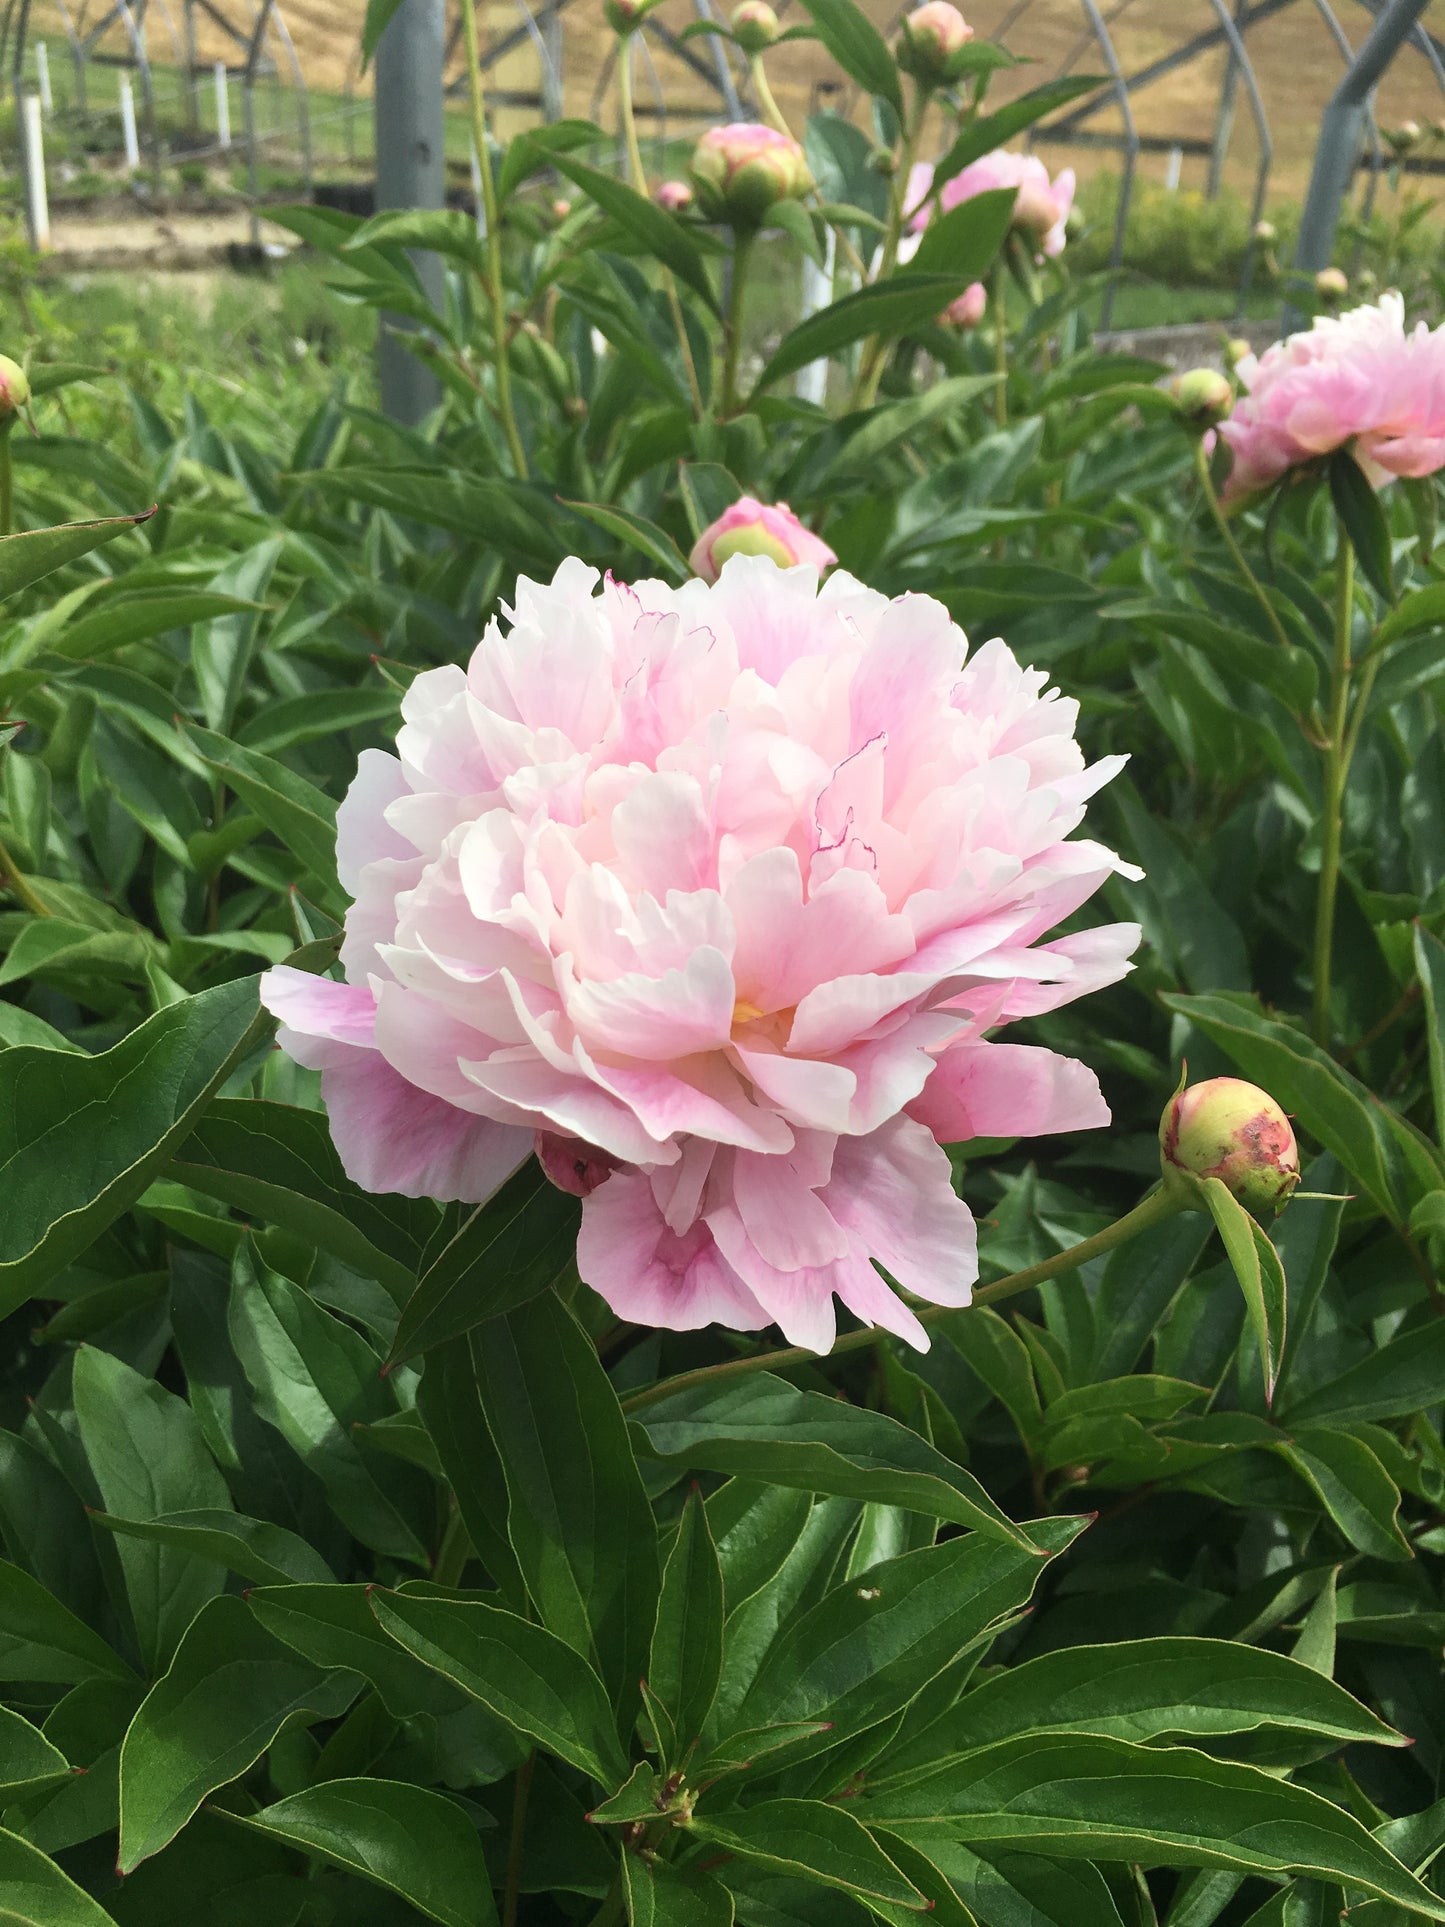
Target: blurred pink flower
column 970, row 307
column 1352, row 378
column 673, row 196
column 721, row 888
column 1042, row 207
column 751, row 527
column 742, row 170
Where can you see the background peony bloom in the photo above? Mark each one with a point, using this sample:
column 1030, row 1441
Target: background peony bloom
column 1040, row 211
column 970, row 307
column 674, row 196
column 931, row 41
column 722, row 889
column 1357, row 378
column 750, row 527
column 742, row 170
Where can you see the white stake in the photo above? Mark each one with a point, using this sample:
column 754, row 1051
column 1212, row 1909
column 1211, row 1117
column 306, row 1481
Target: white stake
column 127, row 125
column 223, row 107
column 1171, row 171
column 812, row 381
column 32, row 156
column 477, row 202
column 42, row 78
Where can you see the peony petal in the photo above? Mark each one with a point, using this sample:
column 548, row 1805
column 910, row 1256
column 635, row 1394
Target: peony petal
column 1008, row 1090
column 393, row 1137
column 322, row 1022
column 649, row 1274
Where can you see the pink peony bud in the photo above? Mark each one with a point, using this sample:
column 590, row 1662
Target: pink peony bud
column 1264, row 233
column 742, row 170
column 1233, row 1131
column 626, row 16
column 931, row 41
column 1041, row 206
column 674, row 196
column 1332, row 284
column 1203, row 395
column 752, row 528
column 574, row 1167
column 970, row 307
column 14, row 388
column 755, row 26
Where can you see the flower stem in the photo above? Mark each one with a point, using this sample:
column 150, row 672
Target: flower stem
column 743, row 239
column 492, row 280
column 629, row 117
column 12, row 880
column 1339, row 746
column 453, row 1551
column 1221, row 522
column 7, row 480
column 771, row 112
column 875, row 350
column 1151, row 1210
column 521, row 1794
column 614, row 1906
column 1000, row 342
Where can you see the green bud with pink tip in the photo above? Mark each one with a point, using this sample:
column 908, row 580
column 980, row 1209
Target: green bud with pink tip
column 1227, row 1129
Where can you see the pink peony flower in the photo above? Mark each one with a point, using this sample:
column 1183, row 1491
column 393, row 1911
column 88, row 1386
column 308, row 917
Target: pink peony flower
column 741, row 171
column 750, row 527
column 931, row 42
column 1041, row 209
column 1353, row 378
column 721, row 888
column 970, row 307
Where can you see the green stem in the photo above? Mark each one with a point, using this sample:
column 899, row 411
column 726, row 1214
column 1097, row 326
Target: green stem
column 1000, row 341
column 629, row 118
column 694, row 387
column 1338, row 747
column 15, row 883
column 7, row 480
column 1221, row 522
column 521, row 1794
column 1151, row 1210
column 492, row 280
column 453, row 1552
column 771, row 112
column 743, row 239
column 614, row 1906
column 875, row 352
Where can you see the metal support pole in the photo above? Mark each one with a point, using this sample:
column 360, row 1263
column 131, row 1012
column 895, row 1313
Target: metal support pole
column 1339, row 142
column 127, row 125
column 410, row 172
column 193, row 79
column 1224, row 119
column 42, row 78
column 223, row 106
column 32, row 162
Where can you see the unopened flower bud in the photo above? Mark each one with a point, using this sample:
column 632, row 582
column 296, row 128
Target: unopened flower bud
column 931, row 41
column 1236, row 350
column 755, row 26
column 1405, row 136
column 1264, row 233
column 675, row 197
column 626, row 16
column 969, row 308
column 1366, row 280
column 741, row 171
column 560, row 210
column 883, row 161
column 751, row 527
column 14, row 388
column 572, row 1165
column 1332, row 284
column 1233, row 1131
column 1203, row 396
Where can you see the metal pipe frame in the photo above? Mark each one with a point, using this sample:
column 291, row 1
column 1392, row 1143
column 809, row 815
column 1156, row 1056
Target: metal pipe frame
column 1339, row 142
